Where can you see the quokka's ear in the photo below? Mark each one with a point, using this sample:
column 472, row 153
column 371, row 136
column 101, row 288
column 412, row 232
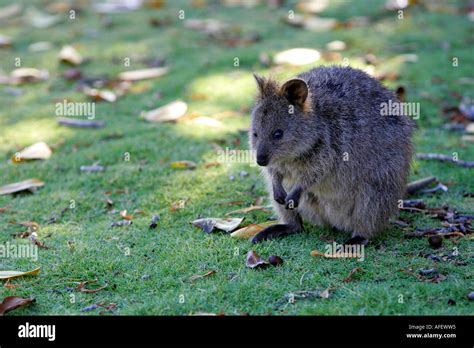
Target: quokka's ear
column 266, row 87
column 296, row 92
column 260, row 82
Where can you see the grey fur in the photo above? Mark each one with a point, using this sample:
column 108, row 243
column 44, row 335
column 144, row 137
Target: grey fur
column 339, row 119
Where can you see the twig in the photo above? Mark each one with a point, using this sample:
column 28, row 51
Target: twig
column 444, row 158
column 416, row 185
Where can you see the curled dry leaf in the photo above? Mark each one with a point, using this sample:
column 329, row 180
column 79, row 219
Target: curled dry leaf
column 30, row 184
column 144, row 74
column 251, row 230
column 70, row 55
column 209, row 224
column 15, row 274
column 253, row 260
column 13, row 302
column 167, row 113
column 81, row 287
column 351, row 274
column 33, row 237
column 183, row 165
column 36, row 151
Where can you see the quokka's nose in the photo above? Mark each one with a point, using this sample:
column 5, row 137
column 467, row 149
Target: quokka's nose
column 262, row 160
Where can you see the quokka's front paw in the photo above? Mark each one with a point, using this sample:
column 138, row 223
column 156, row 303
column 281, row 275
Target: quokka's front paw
column 279, row 195
column 279, row 198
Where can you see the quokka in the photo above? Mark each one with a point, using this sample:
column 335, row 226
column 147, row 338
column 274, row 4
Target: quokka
column 328, row 154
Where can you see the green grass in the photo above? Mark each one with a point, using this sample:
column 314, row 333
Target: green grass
column 169, row 255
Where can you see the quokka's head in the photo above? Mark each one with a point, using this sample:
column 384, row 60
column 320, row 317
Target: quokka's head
column 280, row 128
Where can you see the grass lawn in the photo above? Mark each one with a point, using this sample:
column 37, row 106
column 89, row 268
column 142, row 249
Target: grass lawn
column 147, row 271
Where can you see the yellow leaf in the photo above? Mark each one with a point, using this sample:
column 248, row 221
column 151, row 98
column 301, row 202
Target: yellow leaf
column 15, row 274
column 251, row 230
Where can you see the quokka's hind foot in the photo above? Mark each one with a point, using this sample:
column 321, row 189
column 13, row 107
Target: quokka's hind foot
column 277, row 231
column 357, row 240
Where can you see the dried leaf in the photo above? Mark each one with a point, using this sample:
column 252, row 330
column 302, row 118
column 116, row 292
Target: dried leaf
column 351, row 274
column 208, row 224
column 100, row 95
column 36, row 151
column 251, row 230
column 253, row 260
column 199, row 276
column 13, row 302
column 297, row 56
column 167, row 113
column 15, row 274
column 180, row 204
column 144, row 74
column 69, row 55
column 27, row 75
column 183, row 165
column 123, row 214
column 30, row 184
column 81, row 287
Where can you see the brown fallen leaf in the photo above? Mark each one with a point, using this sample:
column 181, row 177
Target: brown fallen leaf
column 351, row 274
column 251, row 230
column 212, row 164
column 15, row 274
column 69, row 55
column 81, row 287
column 123, row 214
column 253, row 260
column 36, row 151
column 168, row 113
column 33, row 237
column 137, row 75
column 248, row 210
column 209, row 224
column 183, row 164
column 8, row 285
column 13, row 302
column 30, row 185
column 199, row 276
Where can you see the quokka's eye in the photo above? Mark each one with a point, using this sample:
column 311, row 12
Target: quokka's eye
column 278, row 134
column 255, row 134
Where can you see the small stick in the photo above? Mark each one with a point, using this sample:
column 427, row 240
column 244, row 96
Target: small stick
column 416, row 185
column 444, row 158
